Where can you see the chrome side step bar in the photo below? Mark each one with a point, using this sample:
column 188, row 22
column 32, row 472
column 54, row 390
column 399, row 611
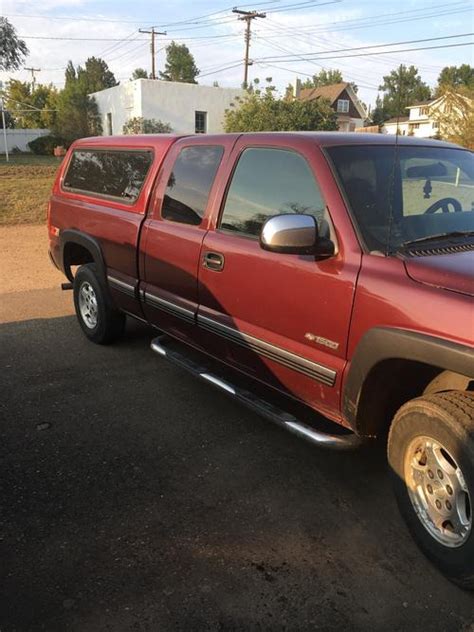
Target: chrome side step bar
column 346, row 441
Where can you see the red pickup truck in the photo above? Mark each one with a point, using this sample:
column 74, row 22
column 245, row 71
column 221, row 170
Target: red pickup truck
column 301, row 273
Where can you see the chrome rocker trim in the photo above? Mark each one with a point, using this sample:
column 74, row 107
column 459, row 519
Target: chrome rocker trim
column 168, row 307
column 121, row 286
column 346, row 441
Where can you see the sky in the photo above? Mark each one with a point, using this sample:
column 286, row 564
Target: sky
column 296, row 38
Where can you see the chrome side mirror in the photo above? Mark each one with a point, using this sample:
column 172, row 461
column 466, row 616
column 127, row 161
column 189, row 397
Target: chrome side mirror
column 295, row 234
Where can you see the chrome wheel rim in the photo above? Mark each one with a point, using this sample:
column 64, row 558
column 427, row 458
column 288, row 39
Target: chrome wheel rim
column 438, row 491
column 88, row 305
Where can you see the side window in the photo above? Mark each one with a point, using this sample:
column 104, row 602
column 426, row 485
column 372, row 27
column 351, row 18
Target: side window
column 269, row 182
column 190, row 182
column 109, row 173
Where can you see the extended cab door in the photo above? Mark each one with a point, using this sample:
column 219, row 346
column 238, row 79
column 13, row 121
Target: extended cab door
column 285, row 317
column 173, row 233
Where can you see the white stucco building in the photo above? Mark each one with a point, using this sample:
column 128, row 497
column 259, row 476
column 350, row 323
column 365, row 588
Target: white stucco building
column 189, row 108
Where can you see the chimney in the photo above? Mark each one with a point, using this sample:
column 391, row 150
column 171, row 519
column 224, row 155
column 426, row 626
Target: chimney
column 296, row 88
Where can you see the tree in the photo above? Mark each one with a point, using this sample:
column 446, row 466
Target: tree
column 77, row 114
column 180, row 65
column 95, row 75
column 139, row 73
column 323, row 78
column 70, row 75
column 261, row 111
column 326, row 78
column 13, row 50
column 31, row 108
column 140, row 125
column 455, row 115
column 9, row 121
column 455, row 77
column 401, row 88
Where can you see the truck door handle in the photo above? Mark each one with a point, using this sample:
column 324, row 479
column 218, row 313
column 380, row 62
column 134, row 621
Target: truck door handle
column 213, row 261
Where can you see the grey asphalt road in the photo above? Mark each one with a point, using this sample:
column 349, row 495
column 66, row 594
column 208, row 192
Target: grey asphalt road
column 134, row 497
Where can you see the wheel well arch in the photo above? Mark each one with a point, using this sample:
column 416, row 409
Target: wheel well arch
column 391, row 367
column 78, row 249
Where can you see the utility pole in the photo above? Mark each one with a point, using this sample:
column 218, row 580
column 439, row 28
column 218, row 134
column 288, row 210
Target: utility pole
column 33, row 78
column 248, row 16
column 152, row 32
column 5, row 139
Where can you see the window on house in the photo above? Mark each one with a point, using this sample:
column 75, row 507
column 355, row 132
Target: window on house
column 423, row 111
column 415, row 126
column 109, row 124
column 108, row 173
column 200, row 122
column 190, row 183
column 435, row 125
column 343, row 105
column 269, row 182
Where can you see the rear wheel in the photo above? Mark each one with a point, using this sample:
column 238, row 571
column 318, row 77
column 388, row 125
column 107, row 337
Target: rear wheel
column 431, row 455
column 98, row 319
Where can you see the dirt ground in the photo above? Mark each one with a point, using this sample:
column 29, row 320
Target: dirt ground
column 26, row 267
column 133, row 497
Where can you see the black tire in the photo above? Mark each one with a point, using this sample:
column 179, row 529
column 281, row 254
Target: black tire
column 107, row 323
column 448, row 419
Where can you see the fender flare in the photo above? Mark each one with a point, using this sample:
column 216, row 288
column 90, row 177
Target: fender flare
column 86, row 241
column 383, row 343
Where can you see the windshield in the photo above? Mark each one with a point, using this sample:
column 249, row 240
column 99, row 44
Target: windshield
column 427, row 191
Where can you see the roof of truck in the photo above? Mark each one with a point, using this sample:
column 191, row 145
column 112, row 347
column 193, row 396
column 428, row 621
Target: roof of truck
column 320, row 138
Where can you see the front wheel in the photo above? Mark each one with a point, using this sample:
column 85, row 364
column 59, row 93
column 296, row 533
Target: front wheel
column 431, row 456
column 98, row 319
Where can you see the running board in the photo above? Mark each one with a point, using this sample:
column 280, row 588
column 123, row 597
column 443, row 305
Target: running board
column 347, row 441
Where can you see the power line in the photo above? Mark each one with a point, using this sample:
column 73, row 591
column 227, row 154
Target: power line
column 76, row 18
column 306, row 40
column 74, row 39
column 213, row 72
column 356, row 48
column 404, row 50
column 350, row 76
column 372, row 19
column 302, row 5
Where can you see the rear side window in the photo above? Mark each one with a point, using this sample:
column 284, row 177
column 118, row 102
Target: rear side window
column 269, row 182
column 108, row 173
column 190, row 182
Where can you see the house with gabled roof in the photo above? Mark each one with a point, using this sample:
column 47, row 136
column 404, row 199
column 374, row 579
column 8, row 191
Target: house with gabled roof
column 427, row 119
column 344, row 101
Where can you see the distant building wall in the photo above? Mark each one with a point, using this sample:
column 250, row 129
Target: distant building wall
column 117, row 105
column 170, row 102
column 19, row 138
column 177, row 104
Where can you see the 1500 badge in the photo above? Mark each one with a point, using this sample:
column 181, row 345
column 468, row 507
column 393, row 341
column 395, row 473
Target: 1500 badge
column 321, row 341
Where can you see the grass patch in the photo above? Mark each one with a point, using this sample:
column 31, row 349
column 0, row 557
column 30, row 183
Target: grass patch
column 25, row 187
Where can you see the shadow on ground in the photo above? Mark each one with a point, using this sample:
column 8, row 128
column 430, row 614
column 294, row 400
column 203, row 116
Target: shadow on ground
column 136, row 498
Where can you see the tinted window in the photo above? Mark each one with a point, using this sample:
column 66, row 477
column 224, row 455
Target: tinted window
column 269, row 182
column 405, row 193
column 118, row 174
column 190, row 182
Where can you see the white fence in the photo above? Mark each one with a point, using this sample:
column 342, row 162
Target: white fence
column 19, row 138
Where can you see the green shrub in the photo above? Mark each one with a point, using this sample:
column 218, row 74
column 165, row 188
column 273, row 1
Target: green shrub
column 44, row 145
column 140, row 125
